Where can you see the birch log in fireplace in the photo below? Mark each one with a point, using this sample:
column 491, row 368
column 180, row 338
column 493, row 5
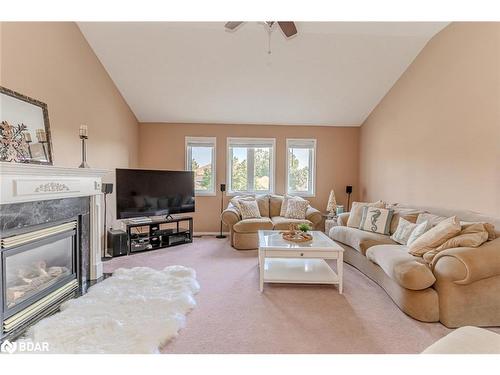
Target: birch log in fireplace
column 50, row 239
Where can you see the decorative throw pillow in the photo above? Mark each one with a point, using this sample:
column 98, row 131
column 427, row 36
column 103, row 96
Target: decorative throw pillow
column 357, row 212
column 296, row 209
column 377, row 220
column 284, row 204
column 403, row 231
column 417, row 232
column 249, row 209
column 409, row 214
column 431, row 219
column 471, row 235
column 436, row 236
column 490, row 228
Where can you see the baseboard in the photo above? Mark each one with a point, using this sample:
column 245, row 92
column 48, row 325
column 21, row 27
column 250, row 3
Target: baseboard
column 198, row 234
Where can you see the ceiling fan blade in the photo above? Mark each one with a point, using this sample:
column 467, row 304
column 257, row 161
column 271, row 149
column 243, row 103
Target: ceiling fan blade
column 288, row 28
column 232, row 25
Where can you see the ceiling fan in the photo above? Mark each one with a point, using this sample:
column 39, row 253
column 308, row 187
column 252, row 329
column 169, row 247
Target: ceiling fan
column 287, row 27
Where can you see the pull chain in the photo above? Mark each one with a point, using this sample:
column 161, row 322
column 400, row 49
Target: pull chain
column 269, row 40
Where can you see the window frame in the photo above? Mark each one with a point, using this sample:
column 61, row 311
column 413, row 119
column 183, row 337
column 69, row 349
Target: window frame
column 312, row 164
column 210, row 142
column 244, row 141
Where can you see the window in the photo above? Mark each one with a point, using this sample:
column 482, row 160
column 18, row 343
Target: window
column 200, row 158
column 300, row 166
column 250, row 166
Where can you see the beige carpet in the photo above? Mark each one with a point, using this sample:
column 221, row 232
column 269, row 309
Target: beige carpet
column 232, row 316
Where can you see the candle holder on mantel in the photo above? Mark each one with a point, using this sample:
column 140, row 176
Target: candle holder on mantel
column 84, row 135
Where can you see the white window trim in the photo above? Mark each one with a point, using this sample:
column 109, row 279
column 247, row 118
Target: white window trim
column 272, row 168
column 210, row 141
column 312, row 163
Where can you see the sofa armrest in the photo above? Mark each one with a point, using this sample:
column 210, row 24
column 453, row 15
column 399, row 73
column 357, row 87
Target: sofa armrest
column 314, row 216
column 230, row 216
column 342, row 219
column 465, row 265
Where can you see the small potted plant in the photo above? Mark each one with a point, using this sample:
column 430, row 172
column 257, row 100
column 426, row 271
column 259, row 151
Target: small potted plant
column 304, row 228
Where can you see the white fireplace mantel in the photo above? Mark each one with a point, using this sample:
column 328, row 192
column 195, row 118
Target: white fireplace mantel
column 33, row 182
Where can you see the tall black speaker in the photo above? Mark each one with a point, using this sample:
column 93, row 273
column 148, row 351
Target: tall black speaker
column 348, row 190
column 222, row 190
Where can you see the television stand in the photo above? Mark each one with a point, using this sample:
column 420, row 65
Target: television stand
column 158, row 233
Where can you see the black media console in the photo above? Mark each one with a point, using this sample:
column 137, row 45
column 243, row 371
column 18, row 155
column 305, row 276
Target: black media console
column 158, row 233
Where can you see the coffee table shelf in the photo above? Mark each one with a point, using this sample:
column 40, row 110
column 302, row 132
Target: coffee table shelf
column 303, row 271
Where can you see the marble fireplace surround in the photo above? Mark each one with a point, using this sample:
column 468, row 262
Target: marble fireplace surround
column 32, row 194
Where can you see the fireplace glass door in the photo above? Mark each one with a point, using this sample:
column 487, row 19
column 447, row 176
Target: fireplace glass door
column 38, row 268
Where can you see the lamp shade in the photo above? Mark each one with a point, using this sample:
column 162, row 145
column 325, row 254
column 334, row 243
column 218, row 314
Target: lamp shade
column 332, row 203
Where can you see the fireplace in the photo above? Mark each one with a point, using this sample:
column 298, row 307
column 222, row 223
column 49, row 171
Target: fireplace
column 50, row 240
column 39, row 269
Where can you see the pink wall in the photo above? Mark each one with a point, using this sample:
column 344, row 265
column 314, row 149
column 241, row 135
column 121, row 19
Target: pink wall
column 52, row 62
column 162, row 147
column 435, row 137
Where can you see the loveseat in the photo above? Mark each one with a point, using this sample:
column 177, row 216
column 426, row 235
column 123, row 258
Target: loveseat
column 461, row 286
column 243, row 233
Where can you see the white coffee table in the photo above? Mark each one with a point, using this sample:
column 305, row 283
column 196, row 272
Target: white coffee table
column 282, row 261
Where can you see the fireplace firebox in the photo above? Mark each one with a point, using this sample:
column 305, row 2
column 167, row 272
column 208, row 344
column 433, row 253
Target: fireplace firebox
column 40, row 269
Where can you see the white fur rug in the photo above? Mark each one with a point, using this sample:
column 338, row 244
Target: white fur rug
column 136, row 310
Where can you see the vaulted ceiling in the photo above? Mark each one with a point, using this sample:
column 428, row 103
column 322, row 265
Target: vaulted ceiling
column 331, row 73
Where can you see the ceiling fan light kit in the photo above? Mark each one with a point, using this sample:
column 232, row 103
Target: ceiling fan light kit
column 287, row 27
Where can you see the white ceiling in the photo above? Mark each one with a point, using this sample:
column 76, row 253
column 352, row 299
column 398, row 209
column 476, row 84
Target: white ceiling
column 331, row 73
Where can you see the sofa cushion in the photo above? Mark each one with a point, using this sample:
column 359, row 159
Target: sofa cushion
column 407, row 270
column 263, row 202
column 357, row 212
column 275, row 202
column 436, row 236
column 471, row 235
column 358, row 239
column 253, row 225
column 283, row 223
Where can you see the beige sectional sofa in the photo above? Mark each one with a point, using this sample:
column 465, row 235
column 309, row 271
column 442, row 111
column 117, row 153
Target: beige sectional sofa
column 460, row 287
column 243, row 233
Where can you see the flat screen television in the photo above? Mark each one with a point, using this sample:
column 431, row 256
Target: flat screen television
column 141, row 192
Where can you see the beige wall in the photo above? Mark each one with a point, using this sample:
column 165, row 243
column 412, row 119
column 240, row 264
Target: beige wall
column 435, row 137
column 52, row 62
column 161, row 146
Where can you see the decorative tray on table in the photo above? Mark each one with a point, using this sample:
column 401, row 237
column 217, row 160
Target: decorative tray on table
column 296, row 235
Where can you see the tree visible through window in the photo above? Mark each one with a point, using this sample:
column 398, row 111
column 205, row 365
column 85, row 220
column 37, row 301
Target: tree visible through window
column 251, row 164
column 200, row 158
column 300, row 166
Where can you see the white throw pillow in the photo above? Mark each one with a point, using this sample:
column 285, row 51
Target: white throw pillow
column 418, row 231
column 249, row 209
column 403, row 231
column 284, row 204
column 296, row 209
column 377, row 220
